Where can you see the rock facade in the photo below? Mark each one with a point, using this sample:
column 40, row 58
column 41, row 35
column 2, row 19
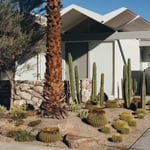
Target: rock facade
column 30, row 92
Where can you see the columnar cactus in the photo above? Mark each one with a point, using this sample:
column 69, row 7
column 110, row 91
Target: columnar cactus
column 78, row 94
column 129, row 81
column 102, row 90
column 72, row 85
column 143, row 91
column 127, row 84
column 94, row 83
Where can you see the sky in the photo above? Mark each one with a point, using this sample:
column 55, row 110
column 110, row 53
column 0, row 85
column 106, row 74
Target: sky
column 140, row 7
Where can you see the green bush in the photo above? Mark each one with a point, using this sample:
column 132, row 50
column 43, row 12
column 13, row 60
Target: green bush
column 74, row 107
column 2, row 109
column 34, row 123
column 21, row 135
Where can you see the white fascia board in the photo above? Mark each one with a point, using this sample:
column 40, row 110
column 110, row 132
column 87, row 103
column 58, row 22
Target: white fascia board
column 95, row 16
column 111, row 15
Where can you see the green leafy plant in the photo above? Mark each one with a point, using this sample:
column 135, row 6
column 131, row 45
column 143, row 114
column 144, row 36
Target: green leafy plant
column 83, row 114
column 2, row 109
column 74, row 107
column 34, row 123
column 21, row 135
column 49, row 134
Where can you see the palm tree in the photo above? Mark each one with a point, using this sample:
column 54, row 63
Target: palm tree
column 53, row 104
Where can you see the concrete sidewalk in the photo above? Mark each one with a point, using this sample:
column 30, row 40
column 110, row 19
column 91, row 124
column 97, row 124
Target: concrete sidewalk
column 143, row 143
column 20, row 146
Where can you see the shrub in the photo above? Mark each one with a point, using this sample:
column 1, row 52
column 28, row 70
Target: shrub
column 2, row 109
column 34, row 123
column 74, row 107
column 116, row 137
column 21, row 135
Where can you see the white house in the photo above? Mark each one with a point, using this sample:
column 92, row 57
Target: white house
column 109, row 40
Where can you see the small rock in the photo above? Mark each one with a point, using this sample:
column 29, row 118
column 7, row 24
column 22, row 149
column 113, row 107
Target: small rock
column 80, row 142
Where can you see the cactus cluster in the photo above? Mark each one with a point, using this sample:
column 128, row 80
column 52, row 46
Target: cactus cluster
column 49, row 134
column 122, row 126
column 74, row 107
column 97, row 117
column 117, row 137
column 141, row 112
column 83, row 114
column 127, row 116
column 112, row 103
column 106, row 128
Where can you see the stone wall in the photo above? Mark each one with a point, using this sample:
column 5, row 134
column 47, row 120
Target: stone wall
column 30, row 92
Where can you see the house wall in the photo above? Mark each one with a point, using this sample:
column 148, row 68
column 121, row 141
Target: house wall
column 33, row 69
column 130, row 50
column 102, row 54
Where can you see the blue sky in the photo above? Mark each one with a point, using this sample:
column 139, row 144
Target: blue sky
column 140, row 7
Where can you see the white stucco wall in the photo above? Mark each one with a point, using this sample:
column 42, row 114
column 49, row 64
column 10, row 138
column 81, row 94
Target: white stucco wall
column 29, row 70
column 102, row 54
column 130, row 50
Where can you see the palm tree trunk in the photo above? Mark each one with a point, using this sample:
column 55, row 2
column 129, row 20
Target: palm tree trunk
column 53, row 104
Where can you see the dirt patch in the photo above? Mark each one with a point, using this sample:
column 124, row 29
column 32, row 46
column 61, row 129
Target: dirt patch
column 74, row 125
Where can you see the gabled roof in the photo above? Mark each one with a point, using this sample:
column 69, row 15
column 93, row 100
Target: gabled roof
column 121, row 19
column 73, row 14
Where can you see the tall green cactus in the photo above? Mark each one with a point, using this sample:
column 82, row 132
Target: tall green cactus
column 129, row 81
column 72, row 84
column 102, row 90
column 94, row 83
column 127, row 84
column 143, row 90
column 78, row 94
